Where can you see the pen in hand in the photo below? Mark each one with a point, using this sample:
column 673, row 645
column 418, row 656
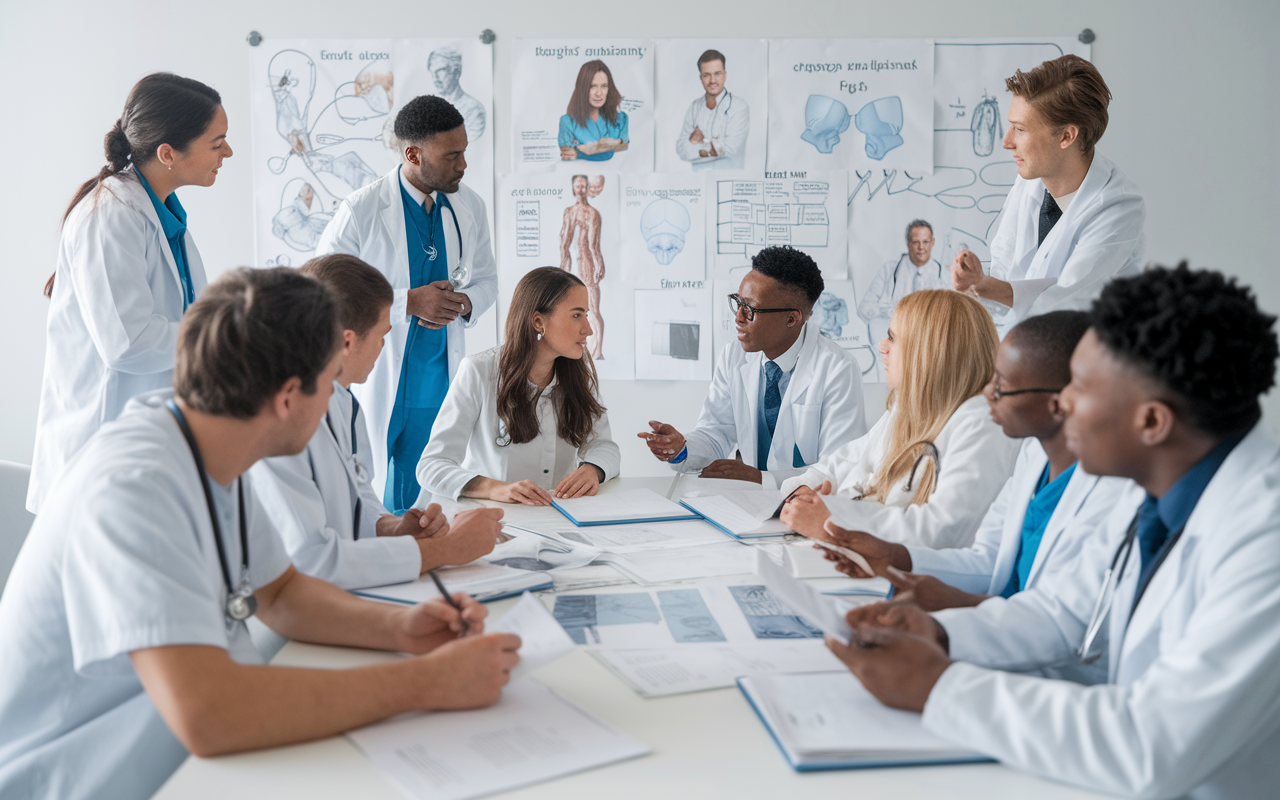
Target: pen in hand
column 448, row 598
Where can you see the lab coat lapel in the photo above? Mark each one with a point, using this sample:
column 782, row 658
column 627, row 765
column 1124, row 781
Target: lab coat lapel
column 1011, row 537
column 784, row 434
column 392, row 214
column 1079, row 487
column 749, row 374
column 1057, row 245
column 137, row 197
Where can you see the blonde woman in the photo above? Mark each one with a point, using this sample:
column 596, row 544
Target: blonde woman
column 927, row 472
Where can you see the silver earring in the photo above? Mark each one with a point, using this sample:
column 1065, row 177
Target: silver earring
column 539, row 335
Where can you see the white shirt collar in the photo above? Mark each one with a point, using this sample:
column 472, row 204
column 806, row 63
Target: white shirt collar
column 719, row 100
column 1065, row 200
column 419, row 196
column 787, row 361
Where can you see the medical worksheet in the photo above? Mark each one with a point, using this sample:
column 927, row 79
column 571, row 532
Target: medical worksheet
column 679, row 670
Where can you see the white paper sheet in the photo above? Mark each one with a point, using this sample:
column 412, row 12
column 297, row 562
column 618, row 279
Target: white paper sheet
column 477, row 578
column 588, row 577
column 531, row 735
column 739, row 123
column 544, row 82
column 570, row 221
column 688, row 563
column 804, row 208
column 745, row 513
column 542, row 640
column 664, row 225
column 630, row 504
column 642, row 537
column 679, row 670
column 824, row 612
column 673, row 334
column 851, row 104
column 539, row 552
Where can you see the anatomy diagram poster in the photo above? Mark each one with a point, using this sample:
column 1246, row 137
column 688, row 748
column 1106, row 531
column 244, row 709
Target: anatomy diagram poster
column 323, row 118
column 664, row 222
column 582, row 104
column 673, row 337
column 730, row 75
column 570, row 221
column 805, row 209
column 851, row 104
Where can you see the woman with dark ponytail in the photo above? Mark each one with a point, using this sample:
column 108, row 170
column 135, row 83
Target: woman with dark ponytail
column 127, row 267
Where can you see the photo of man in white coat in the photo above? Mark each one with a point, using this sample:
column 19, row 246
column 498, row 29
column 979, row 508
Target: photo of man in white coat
column 783, row 396
column 717, row 124
column 1072, row 220
column 1182, row 596
column 428, row 234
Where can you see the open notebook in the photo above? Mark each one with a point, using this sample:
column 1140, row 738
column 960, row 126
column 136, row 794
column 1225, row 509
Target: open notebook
column 827, row 720
column 741, row 514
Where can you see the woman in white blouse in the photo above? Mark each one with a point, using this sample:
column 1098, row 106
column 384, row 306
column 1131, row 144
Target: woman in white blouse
column 523, row 422
column 927, row 472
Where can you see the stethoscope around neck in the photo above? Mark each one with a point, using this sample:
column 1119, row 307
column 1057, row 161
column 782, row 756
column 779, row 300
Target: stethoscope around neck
column 458, row 275
column 898, row 266
column 721, row 111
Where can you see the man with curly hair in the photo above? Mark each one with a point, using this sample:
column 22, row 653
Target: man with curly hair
column 1164, row 391
column 784, row 396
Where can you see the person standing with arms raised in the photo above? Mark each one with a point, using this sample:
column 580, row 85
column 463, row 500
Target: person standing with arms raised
column 127, row 267
column 1073, row 220
column 429, row 235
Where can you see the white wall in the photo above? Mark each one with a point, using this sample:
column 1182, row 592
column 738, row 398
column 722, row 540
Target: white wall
column 1194, row 120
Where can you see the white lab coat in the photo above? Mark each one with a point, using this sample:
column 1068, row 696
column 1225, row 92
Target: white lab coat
column 113, row 321
column 821, row 410
column 976, row 459
column 121, row 559
column 1193, row 707
column 726, row 126
column 986, row 566
column 370, row 224
column 1099, row 237
column 311, row 500
column 464, row 439
column 894, row 281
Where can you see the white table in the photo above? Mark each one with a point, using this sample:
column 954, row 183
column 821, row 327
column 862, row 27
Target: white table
column 707, row 744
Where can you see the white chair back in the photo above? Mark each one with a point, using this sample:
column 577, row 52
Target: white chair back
column 15, row 520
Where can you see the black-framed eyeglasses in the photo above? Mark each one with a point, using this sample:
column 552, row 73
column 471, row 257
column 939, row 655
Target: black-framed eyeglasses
column 997, row 392
column 750, row 311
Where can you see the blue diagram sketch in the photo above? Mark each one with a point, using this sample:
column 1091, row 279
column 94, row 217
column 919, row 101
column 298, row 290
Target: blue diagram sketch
column 832, row 313
column 581, row 614
column 825, row 118
column 301, row 218
column 664, row 224
column 986, row 126
column 768, row 618
column 688, row 617
column 881, row 122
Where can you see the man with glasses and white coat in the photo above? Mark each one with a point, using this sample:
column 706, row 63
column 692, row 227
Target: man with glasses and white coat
column 1183, row 596
column 784, row 396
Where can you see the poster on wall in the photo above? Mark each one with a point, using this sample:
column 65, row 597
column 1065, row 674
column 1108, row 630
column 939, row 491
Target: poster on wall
column 570, row 221
column 664, row 223
column 713, row 104
column 804, row 209
column 673, row 336
column 851, row 104
column 907, row 227
column 579, row 104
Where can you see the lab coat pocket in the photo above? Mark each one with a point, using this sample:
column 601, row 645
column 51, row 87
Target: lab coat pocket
column 807, row 430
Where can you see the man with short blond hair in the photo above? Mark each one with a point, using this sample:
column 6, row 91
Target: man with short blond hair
column 1073, row 220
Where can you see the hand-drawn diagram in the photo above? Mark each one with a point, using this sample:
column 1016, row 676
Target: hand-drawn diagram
column 825, row 118
column 688, row 617
column 832, row 314
column 300, row 220
column 582, row 226
column 881, row 121
column 671, row 334
column 986, row 125
column 770, row 619
column 664, row 224
column 582, row 615
column 795, row 211
column 445, row 66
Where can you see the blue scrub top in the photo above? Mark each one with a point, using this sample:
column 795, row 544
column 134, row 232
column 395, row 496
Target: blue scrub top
column 1039, row 510
column 424, row 374
column 173, row 221
column 571, row 134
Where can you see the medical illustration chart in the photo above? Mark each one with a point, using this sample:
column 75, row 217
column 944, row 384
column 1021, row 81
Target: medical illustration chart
column 961, row 200
column 673, row 334
column 835, row 316
column 803, row 209
column 664, row 224
column 582, row 103
column 667, row 617
column 851, row 104
column 729, row 135
column 323, row 118
column 570, row 221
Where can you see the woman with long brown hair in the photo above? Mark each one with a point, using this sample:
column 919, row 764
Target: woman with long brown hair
column 593, row 128
column 927, row 472
column 523, row 422
column 127, row 267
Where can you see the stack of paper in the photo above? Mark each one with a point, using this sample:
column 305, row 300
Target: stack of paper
column 677, row 670
column 742, row 515
column 807, row 563
column 481, row 581
column 615, row 508
column 686, row 563
column 827, row 720
column 531, row 735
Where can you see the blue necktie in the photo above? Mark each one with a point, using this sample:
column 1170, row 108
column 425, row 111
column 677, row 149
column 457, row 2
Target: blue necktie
column 1049, row 216
column 1152, row 535
column 768, row 414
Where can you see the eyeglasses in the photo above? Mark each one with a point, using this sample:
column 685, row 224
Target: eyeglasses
column 749, row 311
column 997, row 392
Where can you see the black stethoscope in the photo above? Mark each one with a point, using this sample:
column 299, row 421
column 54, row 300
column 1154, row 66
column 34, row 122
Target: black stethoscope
column 1111, row 580
column 355, row 523
column 721, row 111
column 458, row 275
column 240, row 603
column 898, row 266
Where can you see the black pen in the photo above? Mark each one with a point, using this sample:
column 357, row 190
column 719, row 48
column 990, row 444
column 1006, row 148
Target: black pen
column 449, row 599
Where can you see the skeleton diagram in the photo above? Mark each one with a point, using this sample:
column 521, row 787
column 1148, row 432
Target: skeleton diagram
column 583, row 221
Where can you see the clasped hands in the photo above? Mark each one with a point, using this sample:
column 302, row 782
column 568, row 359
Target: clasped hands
column 436, row 304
